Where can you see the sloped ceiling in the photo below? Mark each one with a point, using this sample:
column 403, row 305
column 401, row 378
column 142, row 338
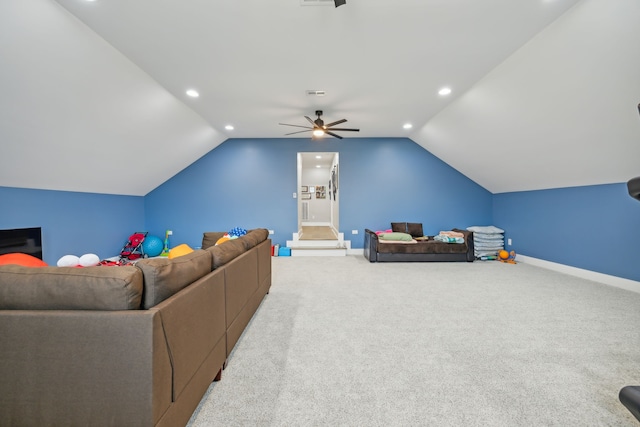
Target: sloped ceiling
column 544, row 92
column 560, row 112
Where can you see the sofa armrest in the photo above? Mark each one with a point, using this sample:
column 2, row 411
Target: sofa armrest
column 468, row 240
column 69, row 367
column 370, row 245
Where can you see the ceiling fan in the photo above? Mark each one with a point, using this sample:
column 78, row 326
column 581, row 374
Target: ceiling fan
column 319, row 129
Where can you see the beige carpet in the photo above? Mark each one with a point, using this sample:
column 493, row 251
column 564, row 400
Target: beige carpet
column 317, row 233
column 343, row 342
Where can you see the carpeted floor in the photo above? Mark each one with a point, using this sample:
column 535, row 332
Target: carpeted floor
column 342, row 342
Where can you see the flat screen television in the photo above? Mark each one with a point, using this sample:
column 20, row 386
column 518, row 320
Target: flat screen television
column 23, row 240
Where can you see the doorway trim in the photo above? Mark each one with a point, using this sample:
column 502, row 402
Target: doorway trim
column 306, row 165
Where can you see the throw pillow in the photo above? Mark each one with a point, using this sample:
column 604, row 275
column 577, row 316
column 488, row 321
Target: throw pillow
column 401, row 237
column 223, row 239
column 179, row 250
column 210, row 238
column 21, row 259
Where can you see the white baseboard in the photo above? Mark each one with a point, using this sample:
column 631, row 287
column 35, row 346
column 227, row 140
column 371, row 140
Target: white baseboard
column 618, row 282
column 607, row 279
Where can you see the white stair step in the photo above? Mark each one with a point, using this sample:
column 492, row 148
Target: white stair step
column 312, row 243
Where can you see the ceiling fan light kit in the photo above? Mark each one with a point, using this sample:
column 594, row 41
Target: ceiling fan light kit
column 319, row 129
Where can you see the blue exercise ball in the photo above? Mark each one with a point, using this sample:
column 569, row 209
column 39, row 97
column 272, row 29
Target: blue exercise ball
column 152, row 246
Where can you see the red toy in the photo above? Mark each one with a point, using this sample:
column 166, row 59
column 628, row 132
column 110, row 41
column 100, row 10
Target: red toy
column 133, row 248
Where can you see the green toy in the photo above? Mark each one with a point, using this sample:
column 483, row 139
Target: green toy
column 165, row 250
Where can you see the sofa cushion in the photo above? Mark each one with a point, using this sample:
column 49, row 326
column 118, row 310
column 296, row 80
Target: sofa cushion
column 253, row 237
column 225, row 252
column 210, row 238
column 164, row 277
column 415, row 229
column 70, row 288
column 399, row 227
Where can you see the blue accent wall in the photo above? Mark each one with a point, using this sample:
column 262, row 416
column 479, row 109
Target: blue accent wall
column 249, row 183
column 595, row 228
column 73, row 223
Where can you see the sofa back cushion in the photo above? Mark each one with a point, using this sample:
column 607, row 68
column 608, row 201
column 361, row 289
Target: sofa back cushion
column 399, row 227
column 164, row 277
column 413, row 228
column 210, row 238
column 254, row 237
column 225, row 252
column 70, row 288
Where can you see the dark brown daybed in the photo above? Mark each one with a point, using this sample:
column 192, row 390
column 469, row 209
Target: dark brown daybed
column 375, row 250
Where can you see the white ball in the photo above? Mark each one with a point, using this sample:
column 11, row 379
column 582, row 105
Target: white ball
column 87, row 260
column 68, row 261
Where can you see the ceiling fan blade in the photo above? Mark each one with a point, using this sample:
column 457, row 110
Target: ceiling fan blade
column 297, row 126
column 300, row 131
column 333, row 134
column 346, row 129
column 310, row 121
column 336, row 123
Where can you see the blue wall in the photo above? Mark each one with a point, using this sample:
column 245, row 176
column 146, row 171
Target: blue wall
column 249, row 183
column 596, row 228
column 73, row 223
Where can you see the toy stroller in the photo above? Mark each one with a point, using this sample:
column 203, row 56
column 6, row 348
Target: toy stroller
column 133, row 249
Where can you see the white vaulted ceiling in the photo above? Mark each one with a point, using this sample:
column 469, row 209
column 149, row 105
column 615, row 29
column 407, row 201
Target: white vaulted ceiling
column 544, row 92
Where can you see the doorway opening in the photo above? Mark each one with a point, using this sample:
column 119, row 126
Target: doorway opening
column 319, row 196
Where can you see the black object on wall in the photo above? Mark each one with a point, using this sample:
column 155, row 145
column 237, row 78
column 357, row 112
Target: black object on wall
column 634, row 184
column 341, row 2
column 634, row 187
column 22, row 240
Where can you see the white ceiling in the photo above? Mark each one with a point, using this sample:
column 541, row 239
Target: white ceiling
column 544, row 91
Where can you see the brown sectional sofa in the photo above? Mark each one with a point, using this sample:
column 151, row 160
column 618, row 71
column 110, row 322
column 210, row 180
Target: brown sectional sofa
column 422, row 251
column 125, row 346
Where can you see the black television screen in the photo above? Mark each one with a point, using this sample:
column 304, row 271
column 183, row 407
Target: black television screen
column 23, row 240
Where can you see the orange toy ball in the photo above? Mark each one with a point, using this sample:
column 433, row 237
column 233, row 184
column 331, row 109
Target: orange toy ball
column 503, row 254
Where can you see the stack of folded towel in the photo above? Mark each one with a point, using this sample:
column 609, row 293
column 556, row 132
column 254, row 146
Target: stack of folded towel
column 450, row 237
column 487, row 240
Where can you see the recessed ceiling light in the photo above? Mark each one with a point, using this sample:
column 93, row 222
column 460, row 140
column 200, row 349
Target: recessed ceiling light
column 229, row 127
column 193, row 93
column 407, row 125
column 444, row 91
column 318, row 157
column 318, row 166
